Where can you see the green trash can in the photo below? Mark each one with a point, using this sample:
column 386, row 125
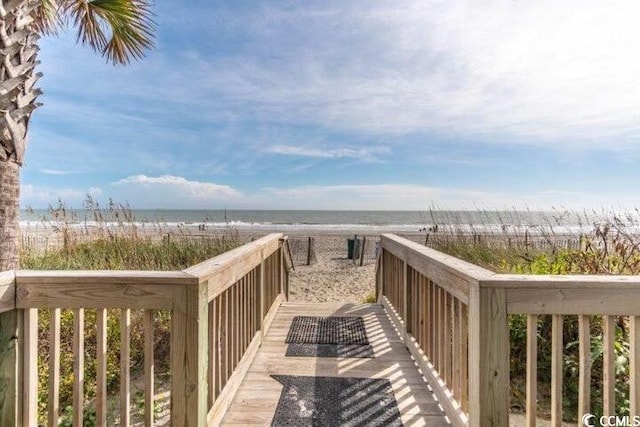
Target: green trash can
column 353, row 248
column 351, row 244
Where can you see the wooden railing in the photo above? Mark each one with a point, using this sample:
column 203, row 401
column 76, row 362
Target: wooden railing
column 219, row 310
column 453, row 317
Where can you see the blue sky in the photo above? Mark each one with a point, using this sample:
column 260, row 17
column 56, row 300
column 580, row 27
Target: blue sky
column 349, row 105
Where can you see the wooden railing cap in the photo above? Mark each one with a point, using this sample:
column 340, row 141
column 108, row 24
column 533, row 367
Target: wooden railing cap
column 546, row 281
column 137, row 277
column 465, row 268
column 208, row 268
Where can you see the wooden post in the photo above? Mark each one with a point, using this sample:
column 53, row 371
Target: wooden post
column 309, row 251
column 189, row 354
column 10, row 372
column 364, row 242
column 488, row 357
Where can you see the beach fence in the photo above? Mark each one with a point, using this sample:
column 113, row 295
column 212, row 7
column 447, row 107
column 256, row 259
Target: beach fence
column 36, row 242
column 56, row 240
column 303, row 250
column 358, row 250
column 210, row 240
column 546, row 243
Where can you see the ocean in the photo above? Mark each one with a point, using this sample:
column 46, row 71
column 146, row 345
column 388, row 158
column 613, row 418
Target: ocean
column 409, row 221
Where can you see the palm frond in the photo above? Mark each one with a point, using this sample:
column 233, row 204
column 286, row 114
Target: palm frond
column 119, row 29
column 47, row 18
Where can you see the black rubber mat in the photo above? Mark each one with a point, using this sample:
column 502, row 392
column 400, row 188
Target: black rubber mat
column 329, row 350
column 332, row 401
column 327, row 330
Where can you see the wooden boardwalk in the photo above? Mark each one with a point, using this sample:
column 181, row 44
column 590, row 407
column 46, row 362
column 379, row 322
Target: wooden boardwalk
column 257, row 398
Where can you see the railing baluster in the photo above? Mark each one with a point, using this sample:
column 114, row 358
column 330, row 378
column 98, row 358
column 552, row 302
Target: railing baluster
column 464, row 359
column 608, row 368
column 227, row 337
column 634, row 371
column 30, row 392
column 584, row 381
column 219, row 345
column 233, row 327
column 78, row 367
column 455, row 349
column 420, row 308
column 429, row 320
column 556, row 370
column 247, row 310
column 211, row 372
column 406, row 291
column 439, row 332
column 101, row 368
column 53, row 405
column 532, row 370
column 125, row 356
column 149, row 368
column 242, row 319
column 446, row 347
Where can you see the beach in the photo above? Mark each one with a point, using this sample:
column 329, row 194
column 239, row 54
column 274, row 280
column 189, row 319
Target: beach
column 332, row 276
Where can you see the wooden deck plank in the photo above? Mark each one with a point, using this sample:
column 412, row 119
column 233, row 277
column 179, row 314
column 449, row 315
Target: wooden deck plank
column 258, row 395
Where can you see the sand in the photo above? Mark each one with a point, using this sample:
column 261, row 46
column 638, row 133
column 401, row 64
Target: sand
column 332, row 277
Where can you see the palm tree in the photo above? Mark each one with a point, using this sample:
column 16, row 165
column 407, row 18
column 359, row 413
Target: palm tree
column 120, row 30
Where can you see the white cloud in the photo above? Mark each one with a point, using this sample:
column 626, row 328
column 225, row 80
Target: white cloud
column 546, row 73
column 55, row 172
column 367, row 154
column 39, row 197
column 420, row 197
column 173, row 192
column 192, row 188
column 377, row 197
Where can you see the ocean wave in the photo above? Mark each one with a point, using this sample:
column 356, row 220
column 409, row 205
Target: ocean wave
column 495, row 229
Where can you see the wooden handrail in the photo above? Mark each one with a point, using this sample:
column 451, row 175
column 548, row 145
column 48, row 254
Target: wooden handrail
column 99, row 289
column 219, row 310
column 446, row 309
column 230, row 266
